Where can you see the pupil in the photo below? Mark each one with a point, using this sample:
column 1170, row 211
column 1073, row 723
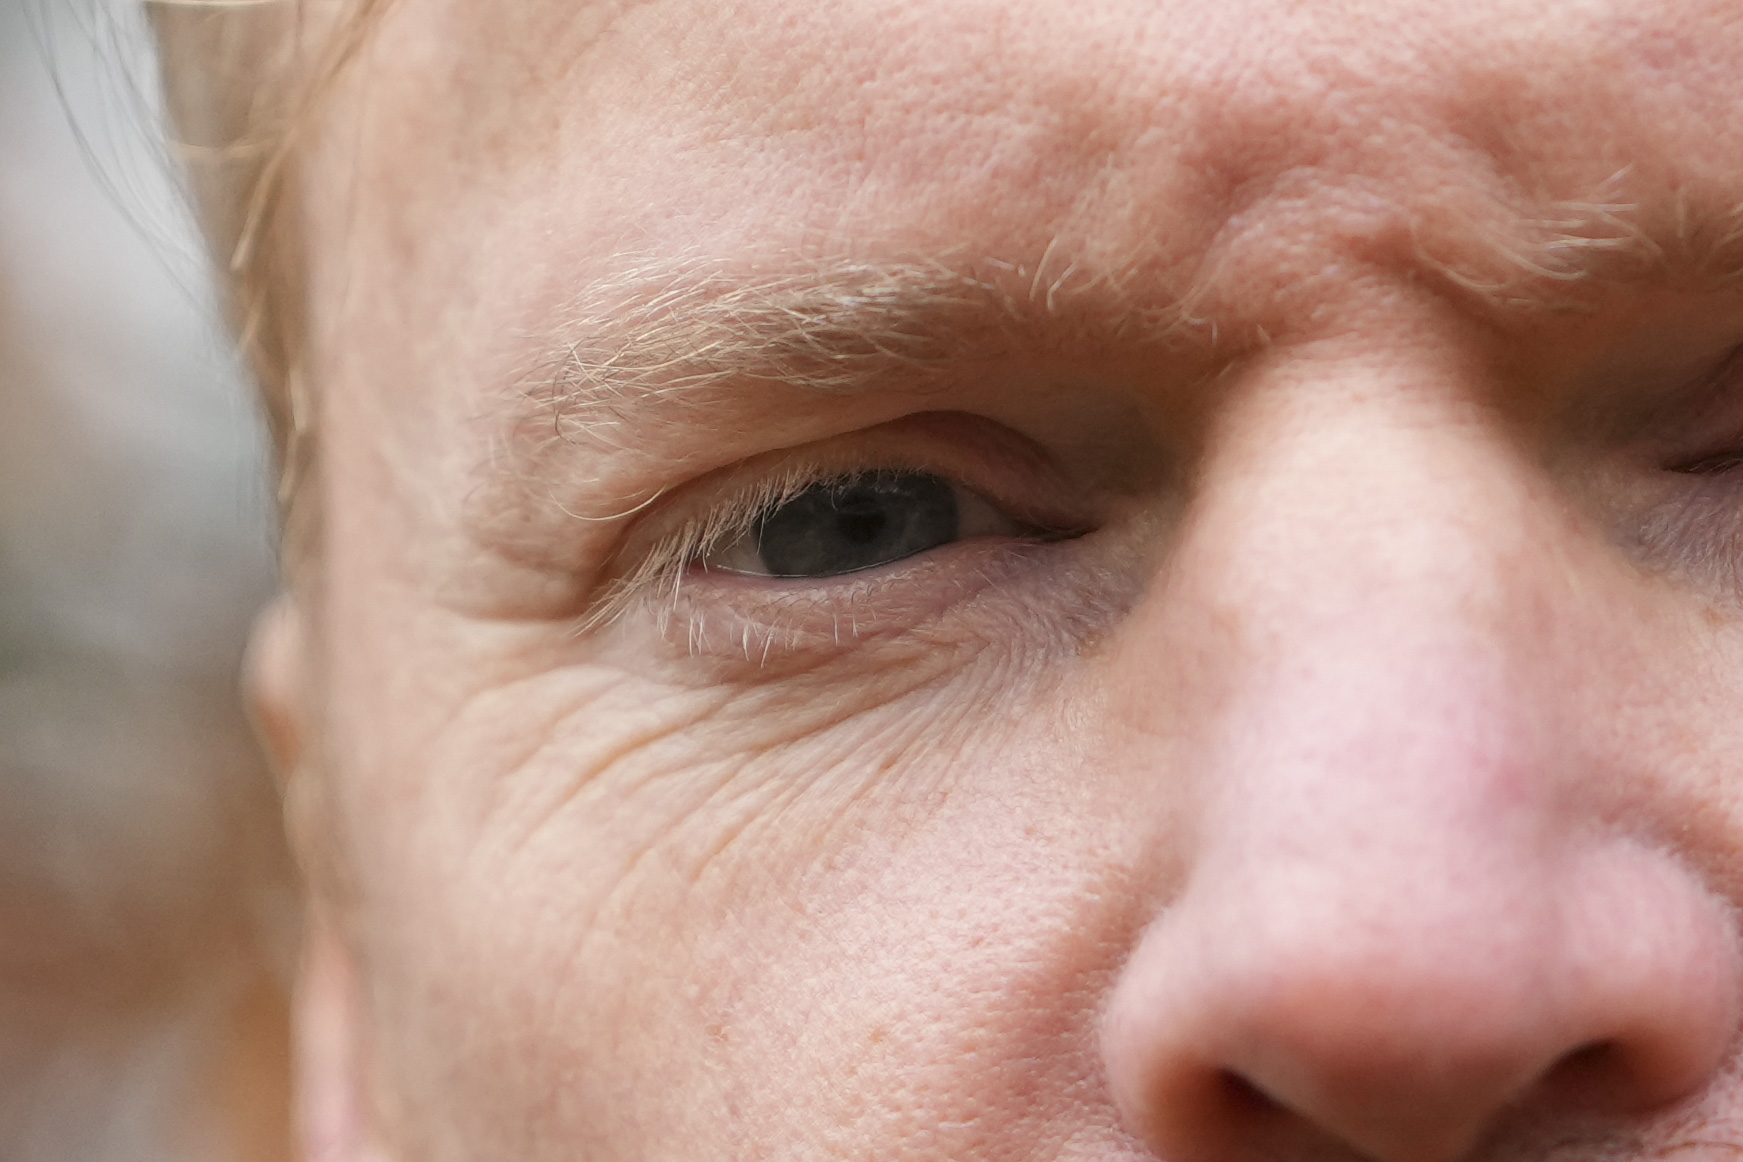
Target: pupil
column 842, row 526
column 861, row 528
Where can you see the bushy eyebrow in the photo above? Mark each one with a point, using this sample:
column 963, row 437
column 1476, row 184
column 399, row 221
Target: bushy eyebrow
column 663, row 332
column 1559, row 256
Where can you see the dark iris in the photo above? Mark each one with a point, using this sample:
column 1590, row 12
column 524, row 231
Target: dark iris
column 839, row 526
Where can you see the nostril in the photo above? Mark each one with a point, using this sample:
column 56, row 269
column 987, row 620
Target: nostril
column 1599, row 1055
column 1245, row 1098
column 1410, row 1028
column 1588, row 1074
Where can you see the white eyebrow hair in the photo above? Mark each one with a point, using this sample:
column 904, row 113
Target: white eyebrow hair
column 663, row 329
column 1544, row 262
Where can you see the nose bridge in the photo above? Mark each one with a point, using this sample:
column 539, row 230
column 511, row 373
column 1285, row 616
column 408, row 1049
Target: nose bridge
column 1390, row 629
column 1364, row 496
column 1366, row 580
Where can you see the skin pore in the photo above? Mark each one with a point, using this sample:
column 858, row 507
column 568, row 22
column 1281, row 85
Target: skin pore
column 1320, row 743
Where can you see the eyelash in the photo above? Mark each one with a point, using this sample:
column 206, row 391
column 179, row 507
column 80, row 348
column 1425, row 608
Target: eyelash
column 663, row 567
column 1713, row 464
column 654, row 567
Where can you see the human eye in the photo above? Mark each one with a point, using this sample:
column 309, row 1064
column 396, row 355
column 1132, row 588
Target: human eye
column 1686, row 519
column 860, row 539
column 851, row 523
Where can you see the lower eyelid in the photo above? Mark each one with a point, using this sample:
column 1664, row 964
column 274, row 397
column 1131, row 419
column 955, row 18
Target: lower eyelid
column 713, row 611
column 1695, row 531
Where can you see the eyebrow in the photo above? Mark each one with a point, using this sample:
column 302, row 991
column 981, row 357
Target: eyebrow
column 665, row 332
column 1550, row 260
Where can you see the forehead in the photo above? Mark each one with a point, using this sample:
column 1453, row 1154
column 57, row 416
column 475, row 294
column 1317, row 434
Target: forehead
column 1120, row 132
column 1277, row 169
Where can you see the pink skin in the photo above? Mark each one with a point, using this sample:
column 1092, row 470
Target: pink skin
column 1363, row 784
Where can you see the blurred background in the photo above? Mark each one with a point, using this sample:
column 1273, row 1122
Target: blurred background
column 147, row 917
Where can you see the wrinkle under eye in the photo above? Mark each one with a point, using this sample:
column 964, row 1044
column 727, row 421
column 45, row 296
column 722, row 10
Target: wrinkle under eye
column 849, row 524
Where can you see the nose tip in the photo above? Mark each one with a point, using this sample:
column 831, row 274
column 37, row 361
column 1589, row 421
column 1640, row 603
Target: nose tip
column 1239, row 1032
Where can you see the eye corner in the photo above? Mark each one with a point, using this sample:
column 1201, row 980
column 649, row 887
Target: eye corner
column 1711, row 464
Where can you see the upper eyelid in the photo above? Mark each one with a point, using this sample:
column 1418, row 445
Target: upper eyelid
column 1717, row 397
column 1676, row 418
column 990, row 467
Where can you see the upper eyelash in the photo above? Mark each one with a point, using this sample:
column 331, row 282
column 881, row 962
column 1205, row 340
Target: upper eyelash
column 663, row 567
column 1710, row 465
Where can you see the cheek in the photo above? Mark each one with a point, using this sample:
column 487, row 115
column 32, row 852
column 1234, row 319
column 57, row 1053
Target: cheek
column 683, row 925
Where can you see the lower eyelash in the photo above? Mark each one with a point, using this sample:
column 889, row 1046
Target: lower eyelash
column 757, row 642
column 1701, row 532
column 769, row 626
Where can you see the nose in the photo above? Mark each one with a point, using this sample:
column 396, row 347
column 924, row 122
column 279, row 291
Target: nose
column 1408, row 902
